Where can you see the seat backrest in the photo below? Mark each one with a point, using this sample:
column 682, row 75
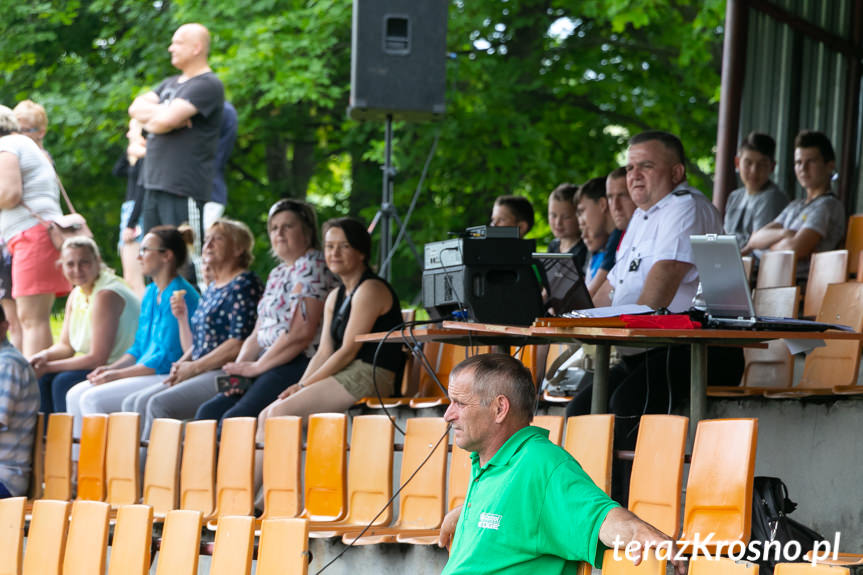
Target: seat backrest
column 721, row 566
column 235, row 473
column 91, row 457
column 130, row 545
column 589, row 439
column 825, row 268
column 854, row 242
column 326, row 476
column 747, row 268
column 444, row 357
column 554, row 425
column 459, row 477
column 837, row 362
column 808, row 569
column 284, row 547
column 232, row 554
column 11, row 534
column 776, row 269
column 719, row 488
column 161, row 475
column 58, row 457
column 623, row 566
column 421, row 502
column 773, row 366
column 283, row 446
column 197, row 470
column 46, row 539
column 37, row 472
column 87, row 540
column 181, row 541
column 370, row 469
column 527, row 354
column 657, row 471
column 122, row 461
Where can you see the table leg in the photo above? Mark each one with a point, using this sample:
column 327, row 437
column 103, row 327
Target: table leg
column 697, row 387
column 599, row 396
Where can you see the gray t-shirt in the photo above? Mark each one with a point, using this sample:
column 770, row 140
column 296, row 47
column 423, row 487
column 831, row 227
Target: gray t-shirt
column 824, row 215
column 39, row 187
column 183, row 161
column 746, row 213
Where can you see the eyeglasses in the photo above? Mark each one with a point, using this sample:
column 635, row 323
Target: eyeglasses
column 142, row 251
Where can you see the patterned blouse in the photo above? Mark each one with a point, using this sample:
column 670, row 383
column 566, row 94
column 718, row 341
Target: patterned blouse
column 225, row 312
column 287, row 285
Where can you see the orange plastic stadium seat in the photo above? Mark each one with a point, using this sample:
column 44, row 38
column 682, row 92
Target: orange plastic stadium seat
column 808, row 569
column 58, row 457
column 554, row 425
column 284, row 547
column 443, row 357
column 421, row 504
column 859, row 276
column 122, row 462
column 623, row 566
column 825, row 268
column 777, row 269
column 46, row 539
column 721, row 566
column 589, row 439
column 747, row 268
column 771, row 368
column 527, row 355
column 841, row 560
column 87, row 540
column 283, row 446
column 832, row 369
column 232, row 553
column 325, row 479
column 130, row 546
column 161, row 471
column 181, row 540
column 719, row 489
column 854, row 243
column 370, row 477
column 236, row 468
column 11, row 534
column 197, row 470
column 657, row 471
column 409, row 377
column 91, row 457
column 37, row 471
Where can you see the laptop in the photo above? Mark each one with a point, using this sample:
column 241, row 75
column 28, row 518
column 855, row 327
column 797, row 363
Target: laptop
column 725, row 289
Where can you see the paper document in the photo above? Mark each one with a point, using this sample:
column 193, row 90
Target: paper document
column 611, row 311
column 796, row 346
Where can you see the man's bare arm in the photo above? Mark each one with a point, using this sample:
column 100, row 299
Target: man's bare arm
column 621, row 527
column 764, row 238
column 168, row 118
column 662, row 282
column 803, row 242
column 144, row 107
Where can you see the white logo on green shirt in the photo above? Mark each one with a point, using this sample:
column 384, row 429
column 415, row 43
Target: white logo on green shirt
column 489, row 521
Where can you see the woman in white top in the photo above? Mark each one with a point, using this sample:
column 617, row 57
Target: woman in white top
column 99, row 325
column 29, row 199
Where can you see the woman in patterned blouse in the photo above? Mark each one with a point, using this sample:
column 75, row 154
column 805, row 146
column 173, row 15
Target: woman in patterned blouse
column 286, row 336
column 224, row 318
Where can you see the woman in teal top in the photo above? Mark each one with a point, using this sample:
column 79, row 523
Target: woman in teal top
column 99, row 325
column 157, row 341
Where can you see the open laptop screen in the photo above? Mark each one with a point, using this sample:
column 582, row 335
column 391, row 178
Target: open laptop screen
column 723, row 280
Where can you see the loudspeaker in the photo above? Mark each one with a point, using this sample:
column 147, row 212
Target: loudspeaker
column 398, row 59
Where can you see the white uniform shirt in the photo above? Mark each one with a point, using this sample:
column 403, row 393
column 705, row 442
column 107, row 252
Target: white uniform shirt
column 662, row 233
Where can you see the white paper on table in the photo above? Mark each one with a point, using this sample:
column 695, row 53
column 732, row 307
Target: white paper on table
column 611, row 311
column 796, row 346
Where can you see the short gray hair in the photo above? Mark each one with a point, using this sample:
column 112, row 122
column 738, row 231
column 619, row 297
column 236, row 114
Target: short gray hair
column 8, row 121
column 501, row 374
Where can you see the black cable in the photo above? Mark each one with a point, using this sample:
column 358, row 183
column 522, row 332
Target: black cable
column 423, row 359
column 375, row 377
column 388, row 503
column 668, row 375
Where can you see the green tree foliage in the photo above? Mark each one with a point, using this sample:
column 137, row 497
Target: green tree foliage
column 538, row 92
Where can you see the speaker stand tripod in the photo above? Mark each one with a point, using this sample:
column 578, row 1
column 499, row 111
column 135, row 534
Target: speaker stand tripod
column 387, row 212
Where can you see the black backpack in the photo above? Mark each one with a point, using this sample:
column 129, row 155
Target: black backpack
column 770, row 522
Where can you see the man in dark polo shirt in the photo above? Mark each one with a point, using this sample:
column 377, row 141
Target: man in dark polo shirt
column 182, row 118
column 530, row 508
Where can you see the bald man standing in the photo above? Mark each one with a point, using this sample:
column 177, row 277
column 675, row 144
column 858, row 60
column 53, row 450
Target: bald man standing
column 182, row 117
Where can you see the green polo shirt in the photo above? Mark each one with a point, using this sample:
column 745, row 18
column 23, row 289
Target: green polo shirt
column 531, row 510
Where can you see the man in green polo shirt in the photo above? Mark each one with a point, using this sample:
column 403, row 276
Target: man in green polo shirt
column 530, row 508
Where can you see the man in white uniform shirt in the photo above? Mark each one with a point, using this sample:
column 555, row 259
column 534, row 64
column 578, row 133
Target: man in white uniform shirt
column 655, row 267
